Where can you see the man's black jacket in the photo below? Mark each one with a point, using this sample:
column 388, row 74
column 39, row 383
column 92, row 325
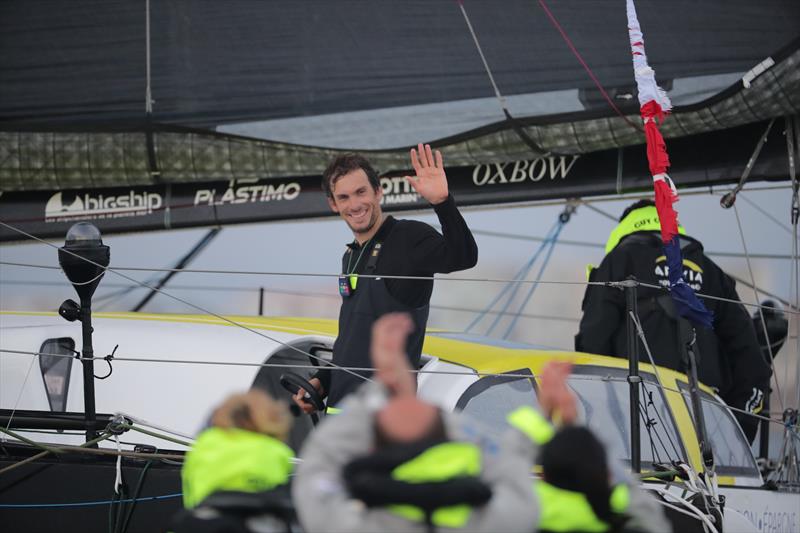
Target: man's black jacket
column 730, row 356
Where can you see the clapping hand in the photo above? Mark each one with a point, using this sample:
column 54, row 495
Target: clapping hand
column 430, row 181
column 388, row 350
column 556, row 400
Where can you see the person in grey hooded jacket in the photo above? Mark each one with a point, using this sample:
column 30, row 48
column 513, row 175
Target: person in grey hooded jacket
column 384, row 428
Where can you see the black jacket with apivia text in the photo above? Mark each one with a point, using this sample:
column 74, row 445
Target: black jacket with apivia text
column 730, row 358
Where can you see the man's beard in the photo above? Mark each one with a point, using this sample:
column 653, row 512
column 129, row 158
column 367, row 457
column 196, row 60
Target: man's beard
column 373, row 219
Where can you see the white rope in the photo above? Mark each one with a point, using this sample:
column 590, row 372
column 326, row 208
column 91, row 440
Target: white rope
column 79, row 283
column 118, row 478
column 682, row 511
column 707, row 521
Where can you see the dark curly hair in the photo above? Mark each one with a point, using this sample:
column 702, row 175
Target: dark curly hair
column 345, row 164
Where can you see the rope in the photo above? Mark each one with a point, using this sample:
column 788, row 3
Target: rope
column 766, row 213
column 483, row 58
column 19, row 396
column 29, row 441
column 185, row 302
column 585, row 66
column 151, row 425
column 794, row 216
column 157, row 435
column 115, row 453
column 520, row 274
column 511, row 287
column 100, row 275
column 660, row 474
column 771, row 362
column 710, row 297
column 614, row 284
column 642, row 337
column 600, row 212
column 697, row 512
column 515, row 125
column 88, row 504
column 47, row 452
column 676, row 452
column 575, row 377
column 684, row 512
column 551, row 245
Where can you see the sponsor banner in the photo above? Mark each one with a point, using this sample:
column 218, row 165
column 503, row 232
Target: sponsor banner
column 705, row 160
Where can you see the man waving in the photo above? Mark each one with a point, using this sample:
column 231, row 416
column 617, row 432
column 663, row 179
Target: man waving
column 385, row 246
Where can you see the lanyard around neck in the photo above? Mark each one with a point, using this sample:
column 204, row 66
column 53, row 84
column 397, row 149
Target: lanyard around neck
column 364, row 247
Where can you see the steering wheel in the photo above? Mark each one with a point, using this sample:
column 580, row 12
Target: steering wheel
column 294, row 382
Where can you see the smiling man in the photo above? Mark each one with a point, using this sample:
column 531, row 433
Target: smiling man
column 385, row 246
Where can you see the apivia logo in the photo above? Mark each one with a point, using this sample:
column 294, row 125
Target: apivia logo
column 692, row 273
column 397, row 190
column 65, row 206
column 550, row 167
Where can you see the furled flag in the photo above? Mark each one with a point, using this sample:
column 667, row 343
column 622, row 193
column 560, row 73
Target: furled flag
column 654, row 104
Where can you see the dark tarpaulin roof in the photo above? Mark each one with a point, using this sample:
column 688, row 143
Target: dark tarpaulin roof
column 243, row 60
column 73, row 79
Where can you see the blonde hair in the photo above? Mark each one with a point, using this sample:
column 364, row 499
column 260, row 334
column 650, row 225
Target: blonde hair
column 254, row 411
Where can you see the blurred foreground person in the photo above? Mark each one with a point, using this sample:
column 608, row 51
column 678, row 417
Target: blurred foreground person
column 390, row 462
column 577, row 492
column 235, row 477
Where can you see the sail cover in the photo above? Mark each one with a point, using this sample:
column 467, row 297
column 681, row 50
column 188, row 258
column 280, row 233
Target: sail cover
column 249, row 99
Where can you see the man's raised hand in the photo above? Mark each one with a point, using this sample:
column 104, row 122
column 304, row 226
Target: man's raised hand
column 430, row 181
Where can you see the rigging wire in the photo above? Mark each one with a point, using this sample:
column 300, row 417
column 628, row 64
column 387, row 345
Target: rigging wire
column 599, row 211
column 515, row 125
column 19, row 396
column 551, row 245
column 613, row 284
column 308, row 294
column 47, row 451
column 643, row 338
column 421, row 371
column 511, row 286
column 588, row 70
column 762, row 319
column 693, row 510
column 766, row 213
column 185, row 302
column 89, row 503
column 794, row 216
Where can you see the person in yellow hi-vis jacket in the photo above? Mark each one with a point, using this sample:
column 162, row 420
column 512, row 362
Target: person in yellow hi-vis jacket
column 235, row 477
column 576, row 492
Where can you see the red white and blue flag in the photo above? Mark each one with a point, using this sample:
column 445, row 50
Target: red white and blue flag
column 654, row 104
